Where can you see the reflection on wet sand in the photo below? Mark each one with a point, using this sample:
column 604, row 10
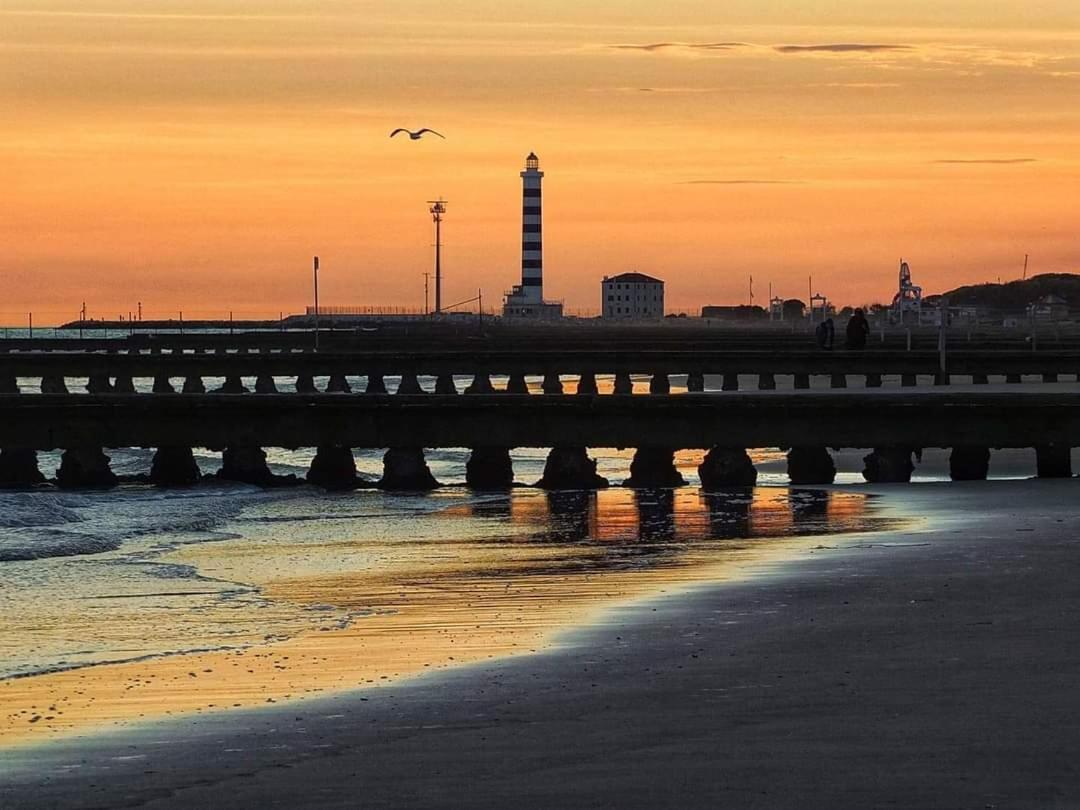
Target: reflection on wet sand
column 501, row 576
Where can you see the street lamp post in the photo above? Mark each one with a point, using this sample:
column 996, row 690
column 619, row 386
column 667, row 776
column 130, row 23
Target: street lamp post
column 438, row 208
column 316, row 276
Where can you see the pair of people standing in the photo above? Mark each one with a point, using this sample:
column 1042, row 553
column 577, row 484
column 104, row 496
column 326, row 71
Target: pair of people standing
column 858, row 330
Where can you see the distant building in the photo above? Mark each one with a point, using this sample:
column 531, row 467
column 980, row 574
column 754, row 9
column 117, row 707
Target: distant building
column 526, row 300
column 632, row 296
column 1050, row 308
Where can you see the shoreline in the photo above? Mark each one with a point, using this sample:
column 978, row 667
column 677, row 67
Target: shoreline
column 938, row 672
column 403, row 623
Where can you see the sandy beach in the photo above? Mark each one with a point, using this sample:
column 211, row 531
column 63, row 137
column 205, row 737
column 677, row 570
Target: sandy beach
column 930, row 667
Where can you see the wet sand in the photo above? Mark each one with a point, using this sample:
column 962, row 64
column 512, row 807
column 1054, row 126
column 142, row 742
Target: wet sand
column 445, row 604
column 933, row 668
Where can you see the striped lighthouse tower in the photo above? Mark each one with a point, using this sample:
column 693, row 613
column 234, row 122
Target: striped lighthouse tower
column 532, row 236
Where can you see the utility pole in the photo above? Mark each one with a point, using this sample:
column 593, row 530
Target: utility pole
column 438, row 208
column 427, row 310
column 1025, row 267
column 316, row 276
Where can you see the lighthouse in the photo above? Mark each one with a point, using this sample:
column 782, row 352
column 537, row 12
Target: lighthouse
column 532, row 231
column 526, row 300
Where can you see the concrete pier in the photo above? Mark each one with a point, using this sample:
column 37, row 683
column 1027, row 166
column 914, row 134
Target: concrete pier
column 409, row 385
column 98, row 384
column 727, row 467
column 571, row 468
column 124, row 385
column 85, row 468
column 174, row 467
column 587, row 385
column 517, row 384
column 695, row 382
column 19, row 468
column 305, row 384
column 659, row 384
column 888, row 465
column 624, row 386
column 246, row 465
column 552, row 384
column 730, row 383
column 264, row 384
column 337, row 384
column 53, row 384
column 375, row 383
column 489, row 468
column 163, row 385
column 8, row 384
column 654, row 468
column 873, row 381
column 766, row 381
column 481, row 384
column 810, row 465
column 233, row 385
column 194, row 385
column 444, row 385
column 1053, row 461
column 405, row 469
column 334, row 468
column 969, row 463
column 838, row 381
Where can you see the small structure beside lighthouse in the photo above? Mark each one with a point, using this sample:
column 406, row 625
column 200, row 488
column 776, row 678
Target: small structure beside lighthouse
column 526, row 300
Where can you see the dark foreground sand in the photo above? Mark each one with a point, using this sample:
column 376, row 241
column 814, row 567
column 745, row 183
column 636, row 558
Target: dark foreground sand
column 934, row 668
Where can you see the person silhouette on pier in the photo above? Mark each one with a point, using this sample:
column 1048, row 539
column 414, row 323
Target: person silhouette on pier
column 858, row 330
column 825, row 334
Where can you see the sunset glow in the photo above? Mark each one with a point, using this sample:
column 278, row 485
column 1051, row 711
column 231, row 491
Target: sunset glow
column 195, row 157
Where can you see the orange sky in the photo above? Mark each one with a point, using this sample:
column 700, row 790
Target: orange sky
column 197, row 156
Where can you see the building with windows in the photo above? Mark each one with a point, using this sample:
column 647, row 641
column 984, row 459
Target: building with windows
column 633, row 297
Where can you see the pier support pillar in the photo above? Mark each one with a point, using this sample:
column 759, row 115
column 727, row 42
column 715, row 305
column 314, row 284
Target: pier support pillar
column 731, row 382
column 810, row 465
column 264, row 384
column 516, row 384
column 124, row 385
column 838, row 381
column 969, row 463
column 85, row 468
column 489, row 468
column 552, row 384
column 98, row 384
column 909, row 380
column 695, row 382
column 1053, row 461
column 333, row 468
column 163, row 385
column 587, row 385
column 623, row 384
column 727, row 467
column 444, row 385
column 942, row 378
column 405, row 469
column 888, row 465
column 305, row 384
column 232, row 385
column 660, row 384
column 571, row 468
column 19, row 468
column 1013, row 379
column 174, row 467
column 409, row 385
column 53, row 384
column 980, row 379
column 375, row 384
column 245, row 465
column 8, row 384
column 654, row 468
column 1050, row 377
column 802, row 382
column 766, row 381
column 873, row 381
column 337, row 384
column 194, row 385
column 481, row 384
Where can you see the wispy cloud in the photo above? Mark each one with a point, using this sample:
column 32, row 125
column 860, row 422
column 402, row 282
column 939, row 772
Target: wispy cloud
column 840, row 47
column 986, row 161
column 741, row 182
column 652, row 47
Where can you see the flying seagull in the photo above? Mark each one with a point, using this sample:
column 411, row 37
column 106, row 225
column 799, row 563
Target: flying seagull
column 415, row 136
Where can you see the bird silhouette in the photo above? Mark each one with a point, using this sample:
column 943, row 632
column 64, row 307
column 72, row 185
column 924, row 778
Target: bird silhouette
column 415, row 136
